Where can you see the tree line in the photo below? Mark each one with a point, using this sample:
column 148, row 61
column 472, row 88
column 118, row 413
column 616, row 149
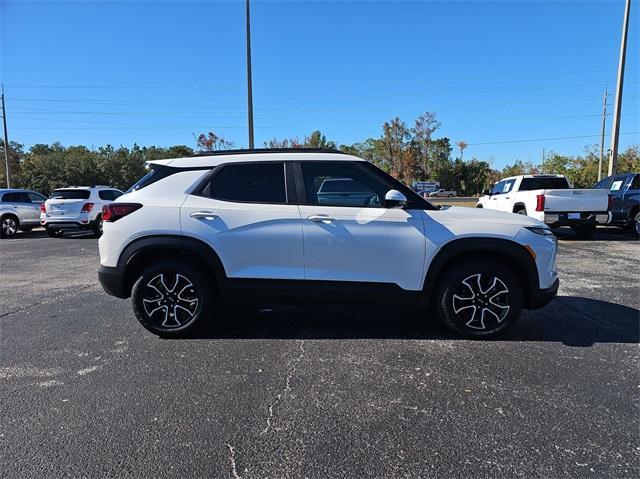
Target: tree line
column 408, row 152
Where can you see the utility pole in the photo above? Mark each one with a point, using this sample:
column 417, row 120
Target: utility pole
column 249, row 82
column 615, row 134
column 6, row 139
column 543, row 160
column 604, row 125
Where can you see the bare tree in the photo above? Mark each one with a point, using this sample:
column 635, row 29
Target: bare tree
column 212, row 142
column 425, row 125
column 462, row 145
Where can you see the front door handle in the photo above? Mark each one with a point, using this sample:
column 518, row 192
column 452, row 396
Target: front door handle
column 326, row 219
column 207, row 215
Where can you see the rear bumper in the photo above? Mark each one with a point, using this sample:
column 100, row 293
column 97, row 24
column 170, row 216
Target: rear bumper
column 541, row 297
column 553, row 218
column 68, row 224
column 112, row 281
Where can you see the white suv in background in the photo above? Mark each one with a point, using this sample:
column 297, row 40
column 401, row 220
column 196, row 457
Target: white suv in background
column 259, row 226
column 76, row 208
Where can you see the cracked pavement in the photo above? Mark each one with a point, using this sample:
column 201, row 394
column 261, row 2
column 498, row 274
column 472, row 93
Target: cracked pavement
column 316, row 392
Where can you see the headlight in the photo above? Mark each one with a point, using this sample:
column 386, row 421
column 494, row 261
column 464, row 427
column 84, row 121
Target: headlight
column 540, row 231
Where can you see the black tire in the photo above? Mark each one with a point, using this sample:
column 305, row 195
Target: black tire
column 635, row 225
column 9, row 225
column 450, row 196
column 53, row 233
column 476, row 284
column 97, row 228
column 521, row 211
column 155, row 300
column 585, row 231
column 478, row 206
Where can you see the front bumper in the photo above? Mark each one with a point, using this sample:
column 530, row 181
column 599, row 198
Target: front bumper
column 553, row 218
column 541, row 297
column 112, row 281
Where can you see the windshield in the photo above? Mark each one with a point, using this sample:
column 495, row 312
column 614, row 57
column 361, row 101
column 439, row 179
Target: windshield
column 70, row 195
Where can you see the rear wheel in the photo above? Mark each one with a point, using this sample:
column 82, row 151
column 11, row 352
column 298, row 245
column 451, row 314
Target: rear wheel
column 97, row 228
column 54, row 233
column 584, row 231
column 8, row 226
column 173, row 298
column 635, row 225
column 521, row 211
column 479, row 299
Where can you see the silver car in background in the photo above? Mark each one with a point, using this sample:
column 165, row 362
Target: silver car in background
column 19, row 210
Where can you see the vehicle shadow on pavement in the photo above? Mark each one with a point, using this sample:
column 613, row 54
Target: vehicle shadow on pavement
column 601, row 234
column 572, row 321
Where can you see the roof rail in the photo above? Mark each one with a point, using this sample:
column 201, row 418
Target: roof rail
column 269, row 150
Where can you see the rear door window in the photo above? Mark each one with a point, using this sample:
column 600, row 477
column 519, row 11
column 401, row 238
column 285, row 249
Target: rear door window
column 70, row 195
column 258, row 182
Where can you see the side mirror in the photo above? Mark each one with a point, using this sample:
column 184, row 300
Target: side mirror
column 394, row 199
column 487, row 192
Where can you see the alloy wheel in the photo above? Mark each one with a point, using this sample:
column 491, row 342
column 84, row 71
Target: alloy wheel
column 9, row 227
column 481, row 300
column 170, row 300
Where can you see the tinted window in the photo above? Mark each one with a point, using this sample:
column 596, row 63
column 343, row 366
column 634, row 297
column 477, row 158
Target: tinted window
column 11, row 198
column 36, row 197
column 108, row 195
column 343, row 184
column 117, row 194
column 70, row 194
column 250, row 182
column 635, row 183
column 544, row 183
column 604, row 184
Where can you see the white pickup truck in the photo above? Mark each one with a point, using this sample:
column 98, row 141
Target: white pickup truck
column 549, row 198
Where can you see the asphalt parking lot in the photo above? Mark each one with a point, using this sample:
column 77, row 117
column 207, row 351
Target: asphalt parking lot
column 316, row 392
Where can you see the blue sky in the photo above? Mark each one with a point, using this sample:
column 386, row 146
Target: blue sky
column 154, row 72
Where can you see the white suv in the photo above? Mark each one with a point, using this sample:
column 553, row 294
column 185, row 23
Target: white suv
column 76, row 208
column 256, row 226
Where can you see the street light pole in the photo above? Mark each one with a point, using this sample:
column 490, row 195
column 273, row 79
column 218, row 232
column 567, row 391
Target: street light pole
column 615, row 134
column 6, row 140
column 249, row 82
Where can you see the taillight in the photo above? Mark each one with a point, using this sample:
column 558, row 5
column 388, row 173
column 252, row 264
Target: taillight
column 43, row 209
column 540, row 203
column 86, row 208
column 115, row 211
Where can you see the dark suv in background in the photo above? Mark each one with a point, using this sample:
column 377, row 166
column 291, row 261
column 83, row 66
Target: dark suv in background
column 624, row 200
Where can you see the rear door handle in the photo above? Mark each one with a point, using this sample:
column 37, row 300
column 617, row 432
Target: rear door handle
column 326, row 219
column 207, row 215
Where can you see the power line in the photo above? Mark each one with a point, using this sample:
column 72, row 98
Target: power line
column 531, row 140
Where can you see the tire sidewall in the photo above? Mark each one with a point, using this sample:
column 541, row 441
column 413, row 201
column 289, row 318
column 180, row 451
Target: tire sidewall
column 204, row 290
column 452, row 281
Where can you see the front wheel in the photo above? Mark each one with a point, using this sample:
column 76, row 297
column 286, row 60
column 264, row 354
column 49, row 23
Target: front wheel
column 584, row 231
column 479, row 299
column 8, row 226
column 172, row 298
